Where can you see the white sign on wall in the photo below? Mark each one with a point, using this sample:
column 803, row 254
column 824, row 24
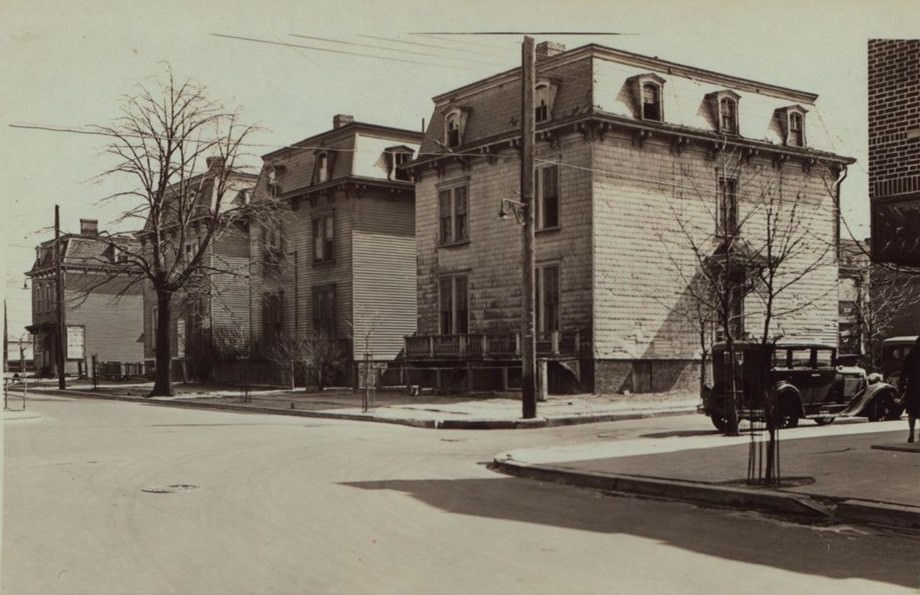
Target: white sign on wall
column 75, row 342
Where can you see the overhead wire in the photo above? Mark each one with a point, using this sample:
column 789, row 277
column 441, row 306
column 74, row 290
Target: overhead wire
column 343, row 52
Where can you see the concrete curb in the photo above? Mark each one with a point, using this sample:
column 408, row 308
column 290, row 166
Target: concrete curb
column 796, row 506
column 879, row 513
column 793, row 505
column 441, row 424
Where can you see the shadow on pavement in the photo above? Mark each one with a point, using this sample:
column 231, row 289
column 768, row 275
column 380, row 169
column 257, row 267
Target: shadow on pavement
column 679, row 434
column 741, row 537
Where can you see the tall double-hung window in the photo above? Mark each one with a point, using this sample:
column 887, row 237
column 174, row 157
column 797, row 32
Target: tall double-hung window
column 453, row 304
column 453, row 215
column 547, row 293
column 727, row 208
column 324, row 238
column 547, row 195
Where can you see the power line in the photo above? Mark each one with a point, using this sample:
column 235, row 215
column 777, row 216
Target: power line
column 518, row 33
column 425, row 45
column 379, row 47
column 344, row 52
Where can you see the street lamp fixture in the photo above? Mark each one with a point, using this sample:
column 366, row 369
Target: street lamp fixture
column 519, row 210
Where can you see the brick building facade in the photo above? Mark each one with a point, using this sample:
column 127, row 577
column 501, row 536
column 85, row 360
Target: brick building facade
column 639, row 163
column 894, row 161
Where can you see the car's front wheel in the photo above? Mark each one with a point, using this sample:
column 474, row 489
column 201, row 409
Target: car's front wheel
column 719, row 422
column 823, row 421
column 883, row 407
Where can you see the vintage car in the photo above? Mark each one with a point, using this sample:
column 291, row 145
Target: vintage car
column 881, row 399
column 792, row 382
column 868, row 395
column 894, row 350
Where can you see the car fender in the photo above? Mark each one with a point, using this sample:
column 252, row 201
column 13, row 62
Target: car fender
column 782, row 391
column 862, row 400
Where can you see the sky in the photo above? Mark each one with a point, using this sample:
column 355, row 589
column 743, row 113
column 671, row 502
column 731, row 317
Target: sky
column 68, row 65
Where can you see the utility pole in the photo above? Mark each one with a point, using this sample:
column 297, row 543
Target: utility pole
column 59, row 300
column 528, row 319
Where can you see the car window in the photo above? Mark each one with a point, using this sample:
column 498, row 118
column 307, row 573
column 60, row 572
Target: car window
column 779, row 358
column 824, row 358
column 801, row 358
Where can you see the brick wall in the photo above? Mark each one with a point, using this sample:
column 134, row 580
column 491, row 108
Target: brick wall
column 894, row 109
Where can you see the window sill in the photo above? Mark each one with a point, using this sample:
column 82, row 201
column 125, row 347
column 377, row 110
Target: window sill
column 453, row 244
column 319, row 263
column 548, row 229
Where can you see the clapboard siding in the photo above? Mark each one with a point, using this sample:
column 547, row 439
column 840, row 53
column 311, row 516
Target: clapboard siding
column 492, row 257
column 657, row 201
column 384, row 293
column 113, row 324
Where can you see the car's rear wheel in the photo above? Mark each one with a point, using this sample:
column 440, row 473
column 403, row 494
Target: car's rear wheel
column 719, row 422
column 823, row 421
column 785, row 415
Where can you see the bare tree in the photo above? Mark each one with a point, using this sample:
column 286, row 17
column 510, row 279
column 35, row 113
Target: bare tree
column 324, row 356
column 748, row 241
column 877, row 305
column 182, row 150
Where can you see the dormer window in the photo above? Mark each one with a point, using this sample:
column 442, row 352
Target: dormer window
column 723, row 107
column 544, row 97
column 454, row 125
column 274, row 184
column 648, row 95
column 322, row 168
column 396, row 160
column 651, row 102
column 796, row 135
column 792, row 124
column 323, row 164
column 728, row 115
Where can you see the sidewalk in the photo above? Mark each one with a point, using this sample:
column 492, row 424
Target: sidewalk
column 862, row 473
column 397, row 406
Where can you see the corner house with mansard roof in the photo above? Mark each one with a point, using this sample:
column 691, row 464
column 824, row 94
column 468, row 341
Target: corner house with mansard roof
column 102, row 302
column 641, row 166
column 340, row 264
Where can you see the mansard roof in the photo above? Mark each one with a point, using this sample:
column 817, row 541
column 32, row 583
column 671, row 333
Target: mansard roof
column 596, row 82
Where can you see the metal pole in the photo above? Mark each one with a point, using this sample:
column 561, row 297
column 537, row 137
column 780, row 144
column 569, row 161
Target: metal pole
column 528, row 320
column 59, row 300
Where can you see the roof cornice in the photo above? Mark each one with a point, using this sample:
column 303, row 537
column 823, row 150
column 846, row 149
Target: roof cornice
column 601, row 123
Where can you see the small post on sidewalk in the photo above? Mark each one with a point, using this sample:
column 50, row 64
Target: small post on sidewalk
column 95, row 382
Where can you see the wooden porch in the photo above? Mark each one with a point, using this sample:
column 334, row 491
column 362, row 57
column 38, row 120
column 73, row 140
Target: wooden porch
column 481, row 346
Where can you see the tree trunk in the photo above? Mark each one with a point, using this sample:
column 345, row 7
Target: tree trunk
column 162, row 385
column 731, row 427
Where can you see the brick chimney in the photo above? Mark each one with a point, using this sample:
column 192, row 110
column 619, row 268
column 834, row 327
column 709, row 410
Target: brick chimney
column 548, row 49
column 89, row 227
column 215, row 162
column 340, row 120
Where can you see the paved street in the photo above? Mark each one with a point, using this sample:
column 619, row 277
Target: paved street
column 118, row 497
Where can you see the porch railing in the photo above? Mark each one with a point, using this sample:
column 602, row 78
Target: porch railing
column 477, row 345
